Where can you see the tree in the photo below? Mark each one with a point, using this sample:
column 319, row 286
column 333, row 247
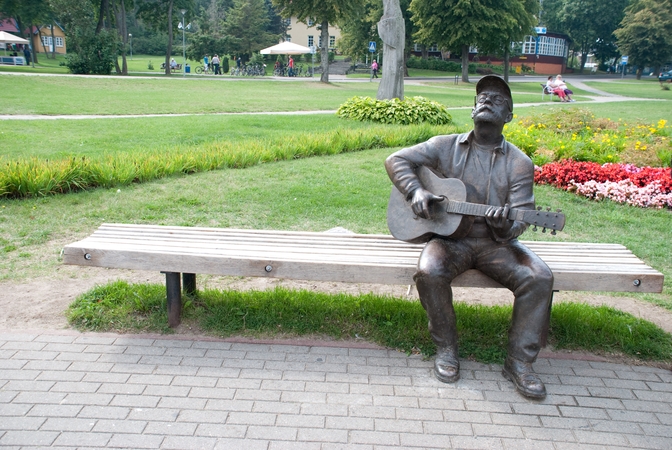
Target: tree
column 164, row 15
column 322, row 12
column 28, row 13
column 246, row 27
column 589, row 23
column 460, row 24
column 645, row 34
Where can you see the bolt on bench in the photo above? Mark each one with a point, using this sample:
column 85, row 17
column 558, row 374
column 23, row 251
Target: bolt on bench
column 336, row 257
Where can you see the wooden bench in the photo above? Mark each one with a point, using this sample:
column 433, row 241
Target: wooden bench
column 172, row 69
column 545, row 91
column 336, row 257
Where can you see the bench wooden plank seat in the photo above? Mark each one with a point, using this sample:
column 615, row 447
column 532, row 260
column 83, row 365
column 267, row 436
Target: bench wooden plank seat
column 337, row 257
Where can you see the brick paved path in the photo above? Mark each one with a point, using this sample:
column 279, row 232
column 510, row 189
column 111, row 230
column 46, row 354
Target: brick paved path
column 106, row 391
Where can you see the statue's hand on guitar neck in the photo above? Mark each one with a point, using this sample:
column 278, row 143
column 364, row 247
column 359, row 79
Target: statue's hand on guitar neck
column 497, row 217
column 421, row 200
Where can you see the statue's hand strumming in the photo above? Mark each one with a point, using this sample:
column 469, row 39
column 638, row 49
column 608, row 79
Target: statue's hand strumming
column 420, row 202
column 497, row 218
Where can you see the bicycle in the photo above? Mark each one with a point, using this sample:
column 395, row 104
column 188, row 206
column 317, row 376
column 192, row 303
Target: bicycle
column 201, row 69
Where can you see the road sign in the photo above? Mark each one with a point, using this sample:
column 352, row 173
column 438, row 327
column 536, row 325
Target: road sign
column 540, row 30
column 372, row 46
column 312, row 49
column 624, row 60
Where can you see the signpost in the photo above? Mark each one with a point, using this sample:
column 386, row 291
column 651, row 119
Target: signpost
column 624, row 62
column 372, row 46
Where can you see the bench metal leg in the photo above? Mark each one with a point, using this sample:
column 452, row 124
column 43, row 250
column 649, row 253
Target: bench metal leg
column 174, row 298
column 189, row 283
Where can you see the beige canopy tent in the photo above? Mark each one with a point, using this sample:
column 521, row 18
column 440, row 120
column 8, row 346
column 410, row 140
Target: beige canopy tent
column 7, row 38
column 285, row 48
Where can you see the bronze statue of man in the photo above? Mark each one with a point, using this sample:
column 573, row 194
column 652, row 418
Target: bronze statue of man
column 498, row 174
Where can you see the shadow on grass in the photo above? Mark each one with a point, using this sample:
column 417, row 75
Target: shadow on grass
column 388, row 321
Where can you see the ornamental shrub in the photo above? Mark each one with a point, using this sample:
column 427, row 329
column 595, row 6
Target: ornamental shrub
column 413, row 110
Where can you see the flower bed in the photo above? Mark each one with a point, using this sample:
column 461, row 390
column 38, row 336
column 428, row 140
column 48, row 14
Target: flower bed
column 647, row 187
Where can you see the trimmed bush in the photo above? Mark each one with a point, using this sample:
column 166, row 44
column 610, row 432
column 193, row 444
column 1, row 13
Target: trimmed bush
column 413, row 110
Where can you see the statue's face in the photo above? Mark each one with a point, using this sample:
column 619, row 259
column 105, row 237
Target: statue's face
column 491, row 106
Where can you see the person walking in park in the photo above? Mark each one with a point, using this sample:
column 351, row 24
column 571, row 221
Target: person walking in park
column 374, row 69
column 215, row 64
column 206, row 61
column 290, row 65
column 497, row 174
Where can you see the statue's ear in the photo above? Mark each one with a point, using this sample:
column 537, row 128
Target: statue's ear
column 509, row 117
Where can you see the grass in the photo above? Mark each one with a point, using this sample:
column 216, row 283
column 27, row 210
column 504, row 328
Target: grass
column 312, row 194
column 387, row 321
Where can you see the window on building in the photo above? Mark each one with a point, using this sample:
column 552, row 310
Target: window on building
column 433, row 48
column 332, row 41
column 59, row 42
column 46, row 41
column 529, row 45
column 311, row 41
column 319, row 41
column 310, row 22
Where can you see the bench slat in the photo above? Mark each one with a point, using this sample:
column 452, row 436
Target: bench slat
column 355, row 258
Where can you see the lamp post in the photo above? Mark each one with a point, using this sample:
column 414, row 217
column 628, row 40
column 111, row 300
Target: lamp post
column 130, row 36
column 184, row 54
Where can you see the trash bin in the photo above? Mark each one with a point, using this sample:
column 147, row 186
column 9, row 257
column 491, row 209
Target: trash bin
column 187, row 69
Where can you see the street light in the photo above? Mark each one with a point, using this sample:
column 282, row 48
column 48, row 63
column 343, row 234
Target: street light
column 184, row 54
column 130, row 36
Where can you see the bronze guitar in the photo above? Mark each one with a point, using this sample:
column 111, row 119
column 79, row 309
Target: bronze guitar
column 452, row 216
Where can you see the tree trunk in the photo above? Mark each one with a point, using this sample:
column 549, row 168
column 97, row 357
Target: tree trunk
column 101, row 15
column 465, row 63
column 639, row 72
column 53, row 43
column 425, row 53
column 122, row 30
column 324, row 51
column 169, row 48
column 507, row 58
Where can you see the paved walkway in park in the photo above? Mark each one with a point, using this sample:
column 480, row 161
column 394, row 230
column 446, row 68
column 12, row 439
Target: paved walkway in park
column 72, row 390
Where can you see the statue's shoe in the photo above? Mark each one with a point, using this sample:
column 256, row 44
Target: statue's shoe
column 447, row 365
column 523, row 377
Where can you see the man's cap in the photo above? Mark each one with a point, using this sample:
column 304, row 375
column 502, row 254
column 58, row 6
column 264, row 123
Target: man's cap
column 496, row 83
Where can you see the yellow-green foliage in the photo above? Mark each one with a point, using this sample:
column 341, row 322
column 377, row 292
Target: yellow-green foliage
column 579, row 135
column 412, row 110
column 37, row 177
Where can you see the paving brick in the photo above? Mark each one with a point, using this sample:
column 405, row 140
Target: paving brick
column 657, row 430
column 654, row 396
column 275, row 433
column 467, row 416
column 324, row 409
column 55, row 410
column 569, row 423
column 120, row 426
column 88, row 367
column 502, row 431
column 182, row 403
column 92, row 339
column 340, row 388
column 132, row 368
column 324, row 436
column 68, row 424
column 198, row 416
column 146, row 379
column 121, row 388
column 597, row 402
column 87, row 399
column 13, row 409
column 376, row 412
column 304, row 397
column 614, row 426
column 144, row 350
column 581, row 381
column 208, row 393
column 349, row 423
column 12, row 374
column 135, row 401
column 106, row 377
column 40, row 397
column 193, row 443
column 238, row 417
column 400, row 426
column 119, row 359
column 104, row 412
column 606, row 392
column 581, row 412
column 154, row 414
column 665, row 419
column 369, row 389
column 165, row 369
column 202, row 362
column 661, row 387
column 221, row 430
column 26, row 346
column 163, row 360
column 229, row 405
column 549, row 434
column 476, row 442
column 72, row 387
column 242, row 443
column 276, row 407
column 171, row 428
column 637, row 376
column 22, row 423
column 135, row 441
column 239, row 383
column 28, row 438
column 33, row 386
column 642, row 441
column 374, row 438
column 301, row 421
column 251, row 394
column 53, row 375
column 416, row 440
column 516, row 419
column 592, row 437
column 536, row 409
column 641, row 405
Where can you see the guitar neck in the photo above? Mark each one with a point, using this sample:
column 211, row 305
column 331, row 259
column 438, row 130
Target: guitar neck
column 477, row 209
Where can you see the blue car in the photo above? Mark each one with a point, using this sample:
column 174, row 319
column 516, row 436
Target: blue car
column 665, row 76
